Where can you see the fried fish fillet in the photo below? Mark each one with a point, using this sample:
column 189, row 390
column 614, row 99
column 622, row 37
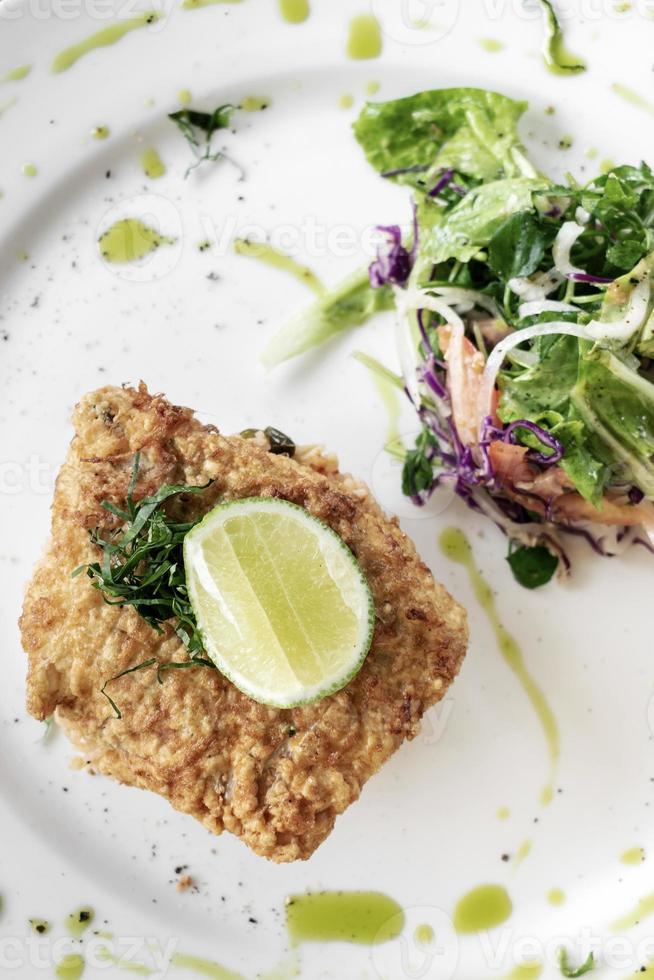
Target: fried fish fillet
column 275, row 778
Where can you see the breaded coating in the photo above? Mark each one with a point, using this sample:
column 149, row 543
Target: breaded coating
column 275, row 778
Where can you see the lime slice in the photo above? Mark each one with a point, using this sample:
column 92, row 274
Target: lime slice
column 283, row 607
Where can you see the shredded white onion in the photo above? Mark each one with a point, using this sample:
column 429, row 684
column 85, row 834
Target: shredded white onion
column 527, row 534
column 498, row 354
column 409, row 301
column 523, row 358
column 421, row 299
column 537, row 286
column 545, row 306
column 582, row 216
column 453, row 294
column 635, row 314
column 567, row 236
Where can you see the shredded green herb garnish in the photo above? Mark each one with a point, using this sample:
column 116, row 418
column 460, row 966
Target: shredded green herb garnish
column 570, row 971
column 191, row 123
column 142, row 566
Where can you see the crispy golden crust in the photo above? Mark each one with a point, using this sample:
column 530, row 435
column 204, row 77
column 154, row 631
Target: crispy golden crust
column 195, row 739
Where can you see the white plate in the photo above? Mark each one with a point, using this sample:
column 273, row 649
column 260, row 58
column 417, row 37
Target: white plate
column 426, row 830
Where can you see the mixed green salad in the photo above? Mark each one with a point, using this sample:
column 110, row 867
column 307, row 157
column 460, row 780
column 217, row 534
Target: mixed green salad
column 525, row 326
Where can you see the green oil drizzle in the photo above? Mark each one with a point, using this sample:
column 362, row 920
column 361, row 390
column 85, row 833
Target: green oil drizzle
column 288, row 968
column 152, row 164
column 184, row 96
column 102, row 39
column 556, row 896
column 562, row 61
column 204, row 968
column 79, row 921
column 592, row 153
column 372, row 88
column 294, row 11
column 390, row 397
column 41, row 926
column 29, row 170
column 272, row 256
column 456, row 547
column 629, row 95
column 522, row 853
column 364, row 38
column 424, row 935
column 635, row 855
column 22, row 255
column 525, row 971
column 606, row 165
column 71, row 967
column 129, row 240
column 194, row 4
column 558, row 59
column 254, row 103
column 100, row 133
column 346, row 101
column 503, row 813
column 643, row 910
column 491, row 44
column 484, row 907
column 17, row 74
column 6, row 105
column 367, row 918
column 140, row 969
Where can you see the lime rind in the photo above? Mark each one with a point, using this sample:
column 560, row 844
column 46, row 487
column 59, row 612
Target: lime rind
column 296, row 694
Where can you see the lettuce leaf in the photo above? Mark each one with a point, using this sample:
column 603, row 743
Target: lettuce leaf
column 471, row 225
column 596, row 403
column 473, row 131
column 542, row 394
column 616, row 404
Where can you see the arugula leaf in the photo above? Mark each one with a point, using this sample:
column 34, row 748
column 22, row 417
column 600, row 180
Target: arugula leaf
column 471, row 130
column 348, row 305
column 580, row 971
column 532, row 567
column 517, row 247
column 191, row 122
column 623, row 203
